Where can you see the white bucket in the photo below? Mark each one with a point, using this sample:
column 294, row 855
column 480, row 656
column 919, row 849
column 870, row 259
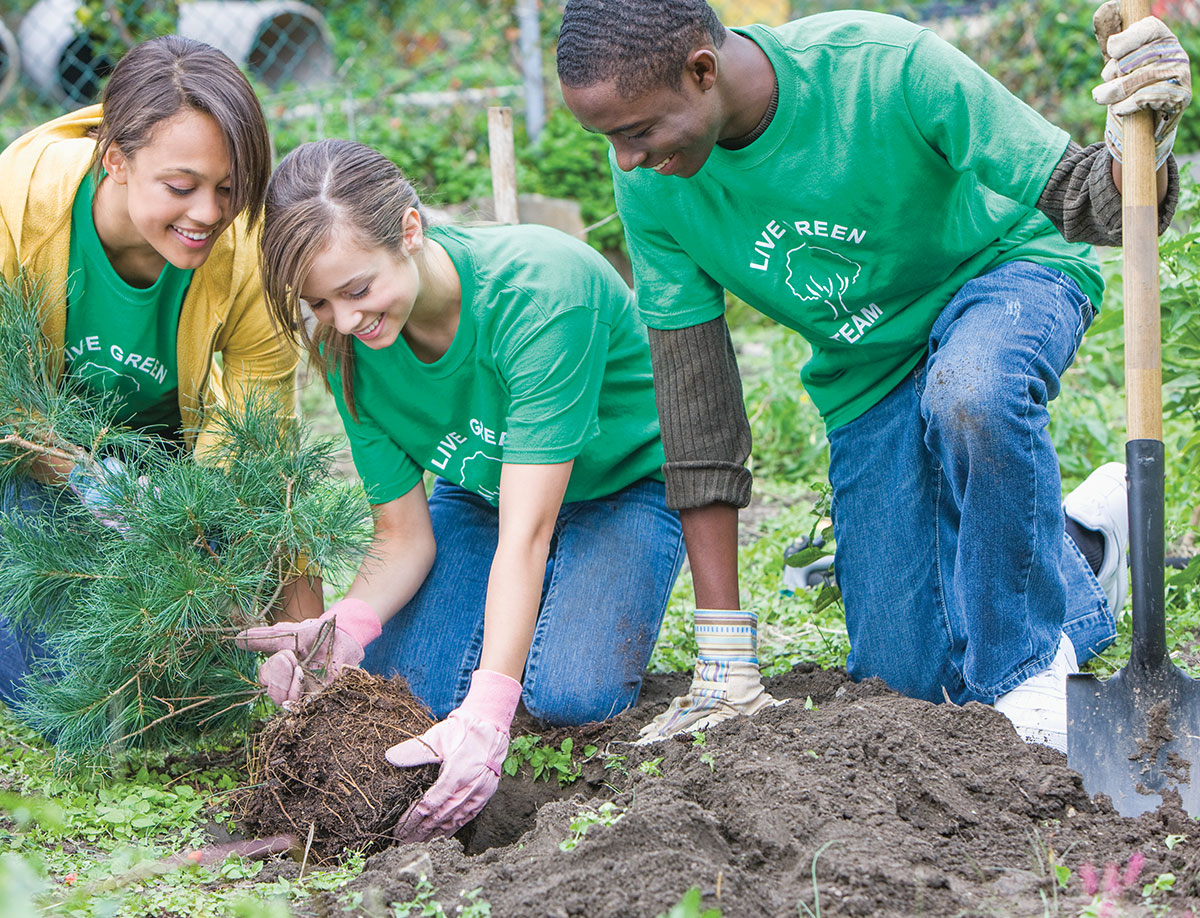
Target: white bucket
column 10, row 61
column 278, row 41
column 59, row 56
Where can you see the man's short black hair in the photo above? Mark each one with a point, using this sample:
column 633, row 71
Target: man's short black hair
column 635, row 44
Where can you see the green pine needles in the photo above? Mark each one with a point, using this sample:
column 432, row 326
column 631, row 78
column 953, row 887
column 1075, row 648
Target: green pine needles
column 138, row 621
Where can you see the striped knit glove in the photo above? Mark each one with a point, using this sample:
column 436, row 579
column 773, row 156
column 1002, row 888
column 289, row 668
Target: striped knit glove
column 1145, row 68
column 726, row 681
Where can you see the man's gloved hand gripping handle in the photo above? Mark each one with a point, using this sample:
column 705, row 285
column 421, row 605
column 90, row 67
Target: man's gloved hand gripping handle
column 1146, row 68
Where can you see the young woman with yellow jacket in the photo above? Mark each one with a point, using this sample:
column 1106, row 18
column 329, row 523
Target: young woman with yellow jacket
column 138, row 218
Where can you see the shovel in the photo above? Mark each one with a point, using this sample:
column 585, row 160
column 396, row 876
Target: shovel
column 1136, row 736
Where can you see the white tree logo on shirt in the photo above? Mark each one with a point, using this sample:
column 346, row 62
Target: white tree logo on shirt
column 91, row 370
column 821, row 274
column 479, row 476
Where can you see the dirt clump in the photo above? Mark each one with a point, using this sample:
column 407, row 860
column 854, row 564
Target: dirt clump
column 320, row 766
column 895, row 806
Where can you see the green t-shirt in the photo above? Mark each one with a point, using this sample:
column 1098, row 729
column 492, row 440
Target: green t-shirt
column 549, row 363
column 894, row 171
column 121, row 338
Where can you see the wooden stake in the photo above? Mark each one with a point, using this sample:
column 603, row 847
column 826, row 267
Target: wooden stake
column 504, row 163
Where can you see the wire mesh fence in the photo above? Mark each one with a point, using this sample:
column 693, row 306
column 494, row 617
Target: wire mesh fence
column 65, row 48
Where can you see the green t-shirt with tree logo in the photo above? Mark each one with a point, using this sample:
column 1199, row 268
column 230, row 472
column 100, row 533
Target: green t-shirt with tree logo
column 894, row 171
column 549, row 363
column 121, row 338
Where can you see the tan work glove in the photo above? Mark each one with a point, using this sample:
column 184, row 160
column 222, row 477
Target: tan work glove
column 718, row 692
column 1145, row 68
column 726, row 681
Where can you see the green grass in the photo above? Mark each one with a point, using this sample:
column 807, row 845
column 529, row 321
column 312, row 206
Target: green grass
column 91, row 844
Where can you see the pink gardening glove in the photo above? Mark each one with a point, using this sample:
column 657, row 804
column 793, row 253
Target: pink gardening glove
column 471, row 743
column 306, row 656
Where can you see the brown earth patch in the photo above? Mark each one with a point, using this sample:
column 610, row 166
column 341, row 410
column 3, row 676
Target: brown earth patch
column 896, row 806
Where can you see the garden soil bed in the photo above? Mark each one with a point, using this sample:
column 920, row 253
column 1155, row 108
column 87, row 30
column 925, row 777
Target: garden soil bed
column 899, row 807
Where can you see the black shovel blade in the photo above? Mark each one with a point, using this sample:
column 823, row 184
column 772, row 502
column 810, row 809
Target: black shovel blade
column 1136, row 736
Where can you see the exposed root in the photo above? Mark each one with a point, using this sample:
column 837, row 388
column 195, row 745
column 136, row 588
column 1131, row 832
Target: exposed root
column 322, row 764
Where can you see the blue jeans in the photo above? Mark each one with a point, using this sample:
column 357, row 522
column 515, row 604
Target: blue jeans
column 955, row 569
column 20, row 648
column 612, row 565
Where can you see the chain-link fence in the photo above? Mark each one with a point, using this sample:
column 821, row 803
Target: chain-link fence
column 65, row 48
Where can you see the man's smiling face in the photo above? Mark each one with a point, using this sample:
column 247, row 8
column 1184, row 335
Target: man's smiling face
column 669, row 131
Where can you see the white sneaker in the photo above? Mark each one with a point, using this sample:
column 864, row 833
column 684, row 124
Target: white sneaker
column 1038, row 706
column 1101, row 503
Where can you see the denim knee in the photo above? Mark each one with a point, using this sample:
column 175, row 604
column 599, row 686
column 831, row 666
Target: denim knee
column 573, row 705
column 969, row 406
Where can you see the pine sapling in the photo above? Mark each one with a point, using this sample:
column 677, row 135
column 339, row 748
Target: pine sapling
column 137, row 620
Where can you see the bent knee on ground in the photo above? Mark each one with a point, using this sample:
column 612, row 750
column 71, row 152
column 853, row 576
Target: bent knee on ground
column 568, row 706
column 935, row 683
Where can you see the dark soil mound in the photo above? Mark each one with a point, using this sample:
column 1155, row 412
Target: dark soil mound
column 895, row 806
column 321, row 767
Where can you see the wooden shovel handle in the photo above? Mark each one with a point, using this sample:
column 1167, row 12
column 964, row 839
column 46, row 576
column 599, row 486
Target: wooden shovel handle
column 1144, row 451
column 1139, row 209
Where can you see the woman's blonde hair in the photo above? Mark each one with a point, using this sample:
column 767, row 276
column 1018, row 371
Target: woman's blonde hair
column 164, row 76
column 319, row 189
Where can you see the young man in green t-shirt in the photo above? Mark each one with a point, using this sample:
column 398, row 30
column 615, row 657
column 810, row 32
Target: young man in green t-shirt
column 859, row 180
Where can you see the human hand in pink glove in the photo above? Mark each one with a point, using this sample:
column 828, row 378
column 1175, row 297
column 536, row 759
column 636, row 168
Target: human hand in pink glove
column 471, row 744
column 306, row 656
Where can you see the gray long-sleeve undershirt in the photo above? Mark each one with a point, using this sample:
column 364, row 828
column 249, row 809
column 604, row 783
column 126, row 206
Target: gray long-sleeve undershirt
column 1082, row 201
column 705, row 431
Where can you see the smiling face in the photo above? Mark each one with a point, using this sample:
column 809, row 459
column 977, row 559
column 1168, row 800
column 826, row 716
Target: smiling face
column 369, row 293
column 670, row 131
column 172, row 197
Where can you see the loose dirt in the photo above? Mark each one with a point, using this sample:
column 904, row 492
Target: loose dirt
column 318, row 771
column 896, row 806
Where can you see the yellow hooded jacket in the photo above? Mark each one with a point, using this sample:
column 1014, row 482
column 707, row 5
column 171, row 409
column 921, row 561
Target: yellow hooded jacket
column 223, row 311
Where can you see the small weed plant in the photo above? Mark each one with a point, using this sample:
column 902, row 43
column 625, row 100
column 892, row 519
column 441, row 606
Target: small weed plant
column 607, row 814
column 803, row 910
column 691, row 906
column 652, row 767
column 545, row 760
column 424, row 903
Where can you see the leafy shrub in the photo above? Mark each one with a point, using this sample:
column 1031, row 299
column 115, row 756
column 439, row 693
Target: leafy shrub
column 569, row 162
column 1044, row 52
column 122, row 24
